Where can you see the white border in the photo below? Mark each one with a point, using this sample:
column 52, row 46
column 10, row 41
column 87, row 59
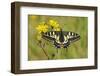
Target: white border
column 25, row 64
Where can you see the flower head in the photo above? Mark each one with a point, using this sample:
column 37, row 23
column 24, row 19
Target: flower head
column 53, row 23
column 42, row 28
column 57, row 29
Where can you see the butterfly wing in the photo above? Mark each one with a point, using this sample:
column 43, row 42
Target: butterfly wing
column 71, row 36
column 49, row 35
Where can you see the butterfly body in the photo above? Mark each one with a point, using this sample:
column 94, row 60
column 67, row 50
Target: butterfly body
column 61, row 39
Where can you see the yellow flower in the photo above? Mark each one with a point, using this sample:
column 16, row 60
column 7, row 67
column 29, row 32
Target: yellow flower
column 42, row 28
column 57, row 29
column 53, row 23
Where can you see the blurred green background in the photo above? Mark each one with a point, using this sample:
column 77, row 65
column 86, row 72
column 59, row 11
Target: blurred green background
column 78, row 49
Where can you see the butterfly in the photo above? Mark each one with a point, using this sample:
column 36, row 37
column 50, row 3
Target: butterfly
column 61, row 39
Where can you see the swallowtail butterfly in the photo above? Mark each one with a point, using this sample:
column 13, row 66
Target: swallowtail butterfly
column 61, row 39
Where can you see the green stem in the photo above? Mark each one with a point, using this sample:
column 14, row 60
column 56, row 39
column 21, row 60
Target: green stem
column 45, row 53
